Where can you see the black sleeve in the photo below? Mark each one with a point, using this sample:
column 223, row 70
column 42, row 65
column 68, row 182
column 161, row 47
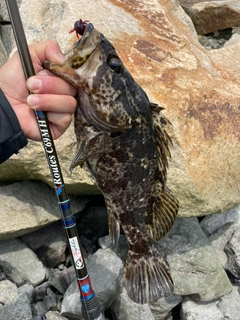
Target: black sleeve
column 12, row 138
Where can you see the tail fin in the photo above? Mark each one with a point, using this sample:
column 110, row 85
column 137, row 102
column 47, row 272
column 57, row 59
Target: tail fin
column 147, row 277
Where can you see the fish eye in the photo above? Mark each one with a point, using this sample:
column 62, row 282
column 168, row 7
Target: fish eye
column 115, row 65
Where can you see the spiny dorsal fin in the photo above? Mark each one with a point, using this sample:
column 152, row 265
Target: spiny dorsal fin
column 165, row 206
column 163, row 141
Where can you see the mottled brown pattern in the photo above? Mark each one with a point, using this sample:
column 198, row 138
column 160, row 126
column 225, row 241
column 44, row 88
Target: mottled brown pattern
column 212, row 117
column 121, row 137
column 151, row 51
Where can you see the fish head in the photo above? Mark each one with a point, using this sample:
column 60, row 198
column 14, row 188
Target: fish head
column 109, row 98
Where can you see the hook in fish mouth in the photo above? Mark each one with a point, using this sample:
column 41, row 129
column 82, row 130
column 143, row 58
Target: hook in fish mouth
column 84, row 47
column 86, row 33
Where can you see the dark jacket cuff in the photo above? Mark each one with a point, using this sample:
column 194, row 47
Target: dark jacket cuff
column 12, row 139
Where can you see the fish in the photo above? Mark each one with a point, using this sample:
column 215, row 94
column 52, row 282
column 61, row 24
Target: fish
column 122, row 138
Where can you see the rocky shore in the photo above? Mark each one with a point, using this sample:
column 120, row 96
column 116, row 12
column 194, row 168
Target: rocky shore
column 37, row 278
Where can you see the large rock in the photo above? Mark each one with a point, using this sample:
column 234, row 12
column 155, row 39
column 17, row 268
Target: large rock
column 214, row 222
column 20, row 264
column 8, row 291
column 223, row 232
column 229, row 304
column 20, row 309
column 190, row 310
column 194, row 265
column 124, row 309
column 3, row 53
column 49, row 244
column 159, row 46
column 233, row 253
column 211, row 16
column 227, row 57
column 28, row 205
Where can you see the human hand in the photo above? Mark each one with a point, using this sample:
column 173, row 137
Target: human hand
column 49, row 93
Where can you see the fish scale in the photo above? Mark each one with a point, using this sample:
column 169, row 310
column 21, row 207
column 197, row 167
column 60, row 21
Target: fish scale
column 122, row 138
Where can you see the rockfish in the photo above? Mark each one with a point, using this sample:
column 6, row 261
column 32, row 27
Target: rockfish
column 121, row 136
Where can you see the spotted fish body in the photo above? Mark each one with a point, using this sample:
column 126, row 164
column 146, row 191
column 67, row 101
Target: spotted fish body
column 122, row 139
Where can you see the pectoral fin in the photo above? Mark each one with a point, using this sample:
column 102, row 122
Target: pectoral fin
column 90, row 145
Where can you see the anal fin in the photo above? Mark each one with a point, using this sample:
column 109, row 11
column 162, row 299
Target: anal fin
column 165, row 209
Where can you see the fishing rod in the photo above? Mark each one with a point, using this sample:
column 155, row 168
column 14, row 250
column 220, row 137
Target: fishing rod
column 90, row 306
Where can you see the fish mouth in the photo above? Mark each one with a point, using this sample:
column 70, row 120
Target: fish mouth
column 86, row 34
column 85, row 47
column 82, row 60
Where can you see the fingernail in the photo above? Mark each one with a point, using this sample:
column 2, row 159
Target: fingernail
column 43, row 73
column 34, row 84
column 32, row 101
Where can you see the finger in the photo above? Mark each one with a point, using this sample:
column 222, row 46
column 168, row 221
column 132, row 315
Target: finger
column 52, row 103
column 59, row 122
column 46, row 82
column 58, row 125
column 48, row 50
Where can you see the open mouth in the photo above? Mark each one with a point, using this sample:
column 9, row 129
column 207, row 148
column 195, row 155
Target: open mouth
column 85, row 46
column 89, row 27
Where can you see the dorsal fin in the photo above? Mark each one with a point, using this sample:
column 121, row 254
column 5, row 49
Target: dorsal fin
column 162, row 139
column 165, row 205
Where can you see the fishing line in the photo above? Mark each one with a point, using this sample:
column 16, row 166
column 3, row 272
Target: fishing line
column 90, row 306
